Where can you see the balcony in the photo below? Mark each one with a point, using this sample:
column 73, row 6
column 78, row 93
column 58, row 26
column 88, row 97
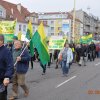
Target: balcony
column 87, row 23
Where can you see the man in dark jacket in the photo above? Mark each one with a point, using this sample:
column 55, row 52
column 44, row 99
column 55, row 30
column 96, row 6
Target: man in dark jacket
column 92, row 50
column 83, row 55
column 21, row 69
column 6, row 68
column 78, row 52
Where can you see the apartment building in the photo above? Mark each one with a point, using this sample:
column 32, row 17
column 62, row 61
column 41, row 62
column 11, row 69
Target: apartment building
column 60, row 23
column 10, row 11
column 89, row 21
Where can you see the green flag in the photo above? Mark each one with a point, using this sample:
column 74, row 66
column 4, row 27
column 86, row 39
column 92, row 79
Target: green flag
column 43, row 54
column 29, row 36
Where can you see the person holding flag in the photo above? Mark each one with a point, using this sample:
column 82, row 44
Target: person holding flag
column 38, row 40
column 21, row 66
column 29, row 37
column 40, row 43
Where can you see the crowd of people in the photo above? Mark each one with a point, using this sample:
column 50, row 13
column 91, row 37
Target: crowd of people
column 74, row 53
column 15, row 58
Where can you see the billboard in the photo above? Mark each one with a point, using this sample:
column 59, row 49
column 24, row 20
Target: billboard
column 66, row 27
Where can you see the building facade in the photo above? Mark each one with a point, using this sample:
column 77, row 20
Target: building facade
column 10, row 12
column 97, row 34
column 89, row 21
column 60, row 23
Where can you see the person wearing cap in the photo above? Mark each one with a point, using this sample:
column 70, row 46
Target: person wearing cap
column 6, row 68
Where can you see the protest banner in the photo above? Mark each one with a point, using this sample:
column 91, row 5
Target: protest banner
column 56, row 43
column 7, row 28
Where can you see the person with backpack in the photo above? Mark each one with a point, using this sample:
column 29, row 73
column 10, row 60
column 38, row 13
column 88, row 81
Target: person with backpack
column 67, row 57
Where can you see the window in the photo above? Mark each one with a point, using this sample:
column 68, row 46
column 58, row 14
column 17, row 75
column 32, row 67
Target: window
column 1, row 13
column 45, row 22
column 24, row 28
column 52, row 33
column 57, row 15
column 20, row 27
column 59, row 28
column 60, row 16
column 33, row 29
column 52, row 22
column 52, row 28
column 33, row 19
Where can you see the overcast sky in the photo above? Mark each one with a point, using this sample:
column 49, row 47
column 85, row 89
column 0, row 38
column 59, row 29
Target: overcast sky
column 60, row 5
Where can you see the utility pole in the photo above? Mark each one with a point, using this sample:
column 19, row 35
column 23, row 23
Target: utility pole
column 74, row 14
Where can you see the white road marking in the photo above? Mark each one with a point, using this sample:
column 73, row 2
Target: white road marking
column 97, row 64
column 66, row 81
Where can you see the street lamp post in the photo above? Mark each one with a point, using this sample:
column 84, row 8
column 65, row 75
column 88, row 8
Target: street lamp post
column 73, row 32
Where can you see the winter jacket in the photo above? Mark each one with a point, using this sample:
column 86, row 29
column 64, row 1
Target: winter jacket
column 69, row 54
column 84, row 51
column 6, row 63
column 23, row 65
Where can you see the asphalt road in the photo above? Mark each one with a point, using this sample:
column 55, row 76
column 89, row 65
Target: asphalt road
column 82, row 83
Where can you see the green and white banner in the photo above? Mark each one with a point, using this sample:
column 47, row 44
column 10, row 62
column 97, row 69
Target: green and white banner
column 7, row 28
column 86, row 39
column 56, row 43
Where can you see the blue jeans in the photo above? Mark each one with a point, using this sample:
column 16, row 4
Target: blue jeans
column 65, row 67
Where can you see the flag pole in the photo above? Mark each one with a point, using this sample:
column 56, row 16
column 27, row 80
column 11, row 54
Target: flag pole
column 29, row 25
column 73, row 34
column 21, row 54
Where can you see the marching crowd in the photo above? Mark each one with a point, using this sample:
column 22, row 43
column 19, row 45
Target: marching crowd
column 14, row 62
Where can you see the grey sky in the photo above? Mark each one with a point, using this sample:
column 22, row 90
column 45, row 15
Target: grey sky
column 60, row 5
